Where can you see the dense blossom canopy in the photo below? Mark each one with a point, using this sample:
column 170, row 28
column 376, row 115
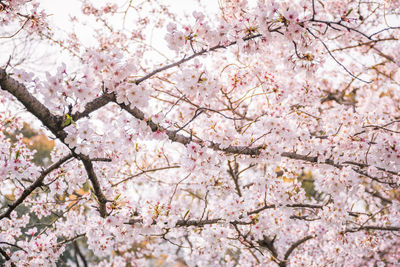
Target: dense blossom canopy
column 264, row 133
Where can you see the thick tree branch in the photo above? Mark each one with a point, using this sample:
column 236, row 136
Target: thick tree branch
column 246, row 150
column 268, row 243
column 94, row 105
column 5, row 255
column 107, row 97
column 201, row 222
column 102, row 200
column 182, row 223
column 33, row 105
column 296, row 205
column 374, row 227
column 53, row 122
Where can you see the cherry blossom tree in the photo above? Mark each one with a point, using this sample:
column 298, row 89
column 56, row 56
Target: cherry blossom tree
column 263, row 134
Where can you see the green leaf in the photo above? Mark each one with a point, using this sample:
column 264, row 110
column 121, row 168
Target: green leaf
column 67, row 120
column 348, row 12
column 184, row 217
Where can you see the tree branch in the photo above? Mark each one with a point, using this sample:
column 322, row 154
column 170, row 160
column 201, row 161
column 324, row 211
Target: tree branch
column 94, row 105
column 182, row 223
column 29, row 101
column 5, row 255
column 293, row 247
column 234, row 173
column 296, row 205
column 54, row 124
column 334, row 58
column 79, row 252
column 268, row 243
column 143, row 172
column 102, row 200
column 374, row 227
column 246, row 150
column 185, row 59
column 38, row 182
column 107, row 97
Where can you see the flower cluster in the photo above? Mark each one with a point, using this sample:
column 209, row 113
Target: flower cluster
column 268, row 136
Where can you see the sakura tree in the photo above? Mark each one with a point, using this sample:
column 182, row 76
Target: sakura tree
column 262, row 133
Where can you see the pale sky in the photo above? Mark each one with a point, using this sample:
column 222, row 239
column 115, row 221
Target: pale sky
column 59, row 20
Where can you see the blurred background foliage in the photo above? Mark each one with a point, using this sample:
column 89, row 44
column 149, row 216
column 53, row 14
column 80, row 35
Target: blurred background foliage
column 35, row 141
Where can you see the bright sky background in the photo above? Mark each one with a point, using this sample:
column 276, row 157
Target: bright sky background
column 59, row 20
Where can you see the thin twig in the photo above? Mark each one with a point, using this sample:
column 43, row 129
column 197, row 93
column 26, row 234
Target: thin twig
column 337, row 61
